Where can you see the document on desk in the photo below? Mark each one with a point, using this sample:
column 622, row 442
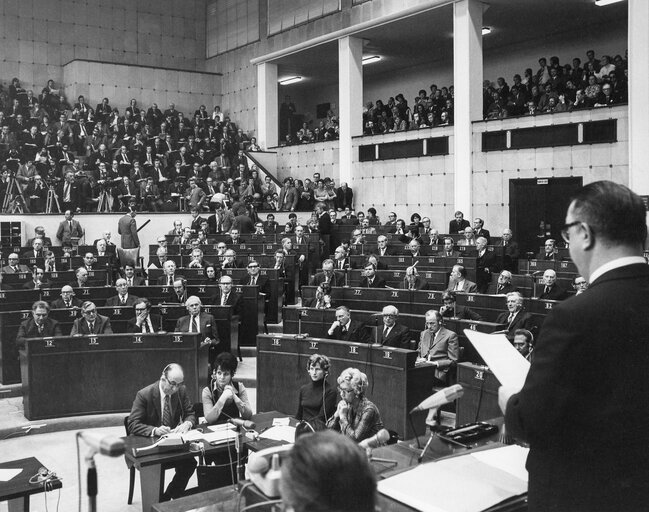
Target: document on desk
column 284, row 433
column 506, row 363
column 468, row 483
column 7, row 474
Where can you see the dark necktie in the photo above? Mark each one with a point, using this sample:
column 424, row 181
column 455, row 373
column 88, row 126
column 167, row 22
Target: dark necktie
column 166, row 413
column 123, row 300
column 385, row 333
column 195, row 324
column 343, row 329
column 40, row 329
column 547, row 290
column 92, row 327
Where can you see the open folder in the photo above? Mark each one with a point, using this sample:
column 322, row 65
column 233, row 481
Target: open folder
column 467, row 483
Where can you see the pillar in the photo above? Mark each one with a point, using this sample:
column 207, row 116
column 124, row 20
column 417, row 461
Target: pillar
column 350, row 99
column 267, row 109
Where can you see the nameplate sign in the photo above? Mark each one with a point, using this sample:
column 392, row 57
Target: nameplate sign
column 92, row 340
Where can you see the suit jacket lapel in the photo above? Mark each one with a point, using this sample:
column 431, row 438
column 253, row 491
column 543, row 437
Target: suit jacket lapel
column 156, row 402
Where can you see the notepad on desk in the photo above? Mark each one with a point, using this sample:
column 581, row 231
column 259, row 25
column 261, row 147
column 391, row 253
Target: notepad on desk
column 468, row 483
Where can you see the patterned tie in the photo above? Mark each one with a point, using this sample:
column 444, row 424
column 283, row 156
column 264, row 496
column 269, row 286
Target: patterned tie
column 166, row 413
column 195, row 324
column 224, row 299
column 92, row 327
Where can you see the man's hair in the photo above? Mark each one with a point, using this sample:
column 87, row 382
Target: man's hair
column 613, row 212
column 143, row 300
column 40, row 304
column 461, row 270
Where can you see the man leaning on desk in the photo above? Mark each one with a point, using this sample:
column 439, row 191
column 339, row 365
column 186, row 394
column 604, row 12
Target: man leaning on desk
column 159, row 409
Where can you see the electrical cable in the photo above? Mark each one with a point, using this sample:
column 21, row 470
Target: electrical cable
column 262, row 504
column 78, row 470
column 243, row 488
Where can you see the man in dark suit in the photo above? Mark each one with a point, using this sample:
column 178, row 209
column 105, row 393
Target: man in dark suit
column 203, row 323
column 254, row 278
column 439, row 346
column 128, row 271
column 504, row 284
column 459, row 224
column 587, row 386
column 486, row 264
column 178, row 295
column 230, row 260
column 91, row 322
column 392, row 333
column 324, row 226
column 38, row 280
column 39, row 232
column 169, row 276
column 550, row 289
column 161, row 408
column 123, row 298
column 412, row 280
column 128, row 229
column 450, row 309
column 346, row 329
column 448, row 249
column 511, row 251
column 549, row 252
column 39, row 325
column 68, row 193
column 143, row 321
column 382, row 247
column 69, row 228
column 478, row 230
column 67, row 299
column 515, row 318
column 14, row 267
column 225, row 296
column 459, row 283
column 370, row 279
column 328, row 275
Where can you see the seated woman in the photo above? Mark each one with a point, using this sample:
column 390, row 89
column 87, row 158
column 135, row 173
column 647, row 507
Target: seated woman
column 225, row 398
column 355, row 416
column 317, row 399
column 211, row 275
column 322, row 299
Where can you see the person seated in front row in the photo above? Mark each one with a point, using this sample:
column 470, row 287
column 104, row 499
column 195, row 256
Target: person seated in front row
column 317, row 399
column 504, row 284
column 153, row 415
column 515, row 317
column 328, row 275
column 370, row 279
column 144, row 321
column 91, row 322
column 450, row 309
column 459, row 283
column 551, row 290
column 322, row 298
column 345, row 329
column 39, row 325
column 412, row 280
column 67, row 299
column 356, row 417
column 225, row 398
column 123, row 298
column 391, row 333
column 323, row 461
column 439, row 346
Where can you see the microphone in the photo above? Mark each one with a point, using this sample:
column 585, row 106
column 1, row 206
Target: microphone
column 238, row 422
column 378, row 439
column 440, row 398
column 105, row 445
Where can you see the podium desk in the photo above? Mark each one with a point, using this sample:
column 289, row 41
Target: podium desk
column 396, row 385
column 75, row 375
column 18, row 490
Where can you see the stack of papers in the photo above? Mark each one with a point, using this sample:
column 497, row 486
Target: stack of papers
column 284, row 433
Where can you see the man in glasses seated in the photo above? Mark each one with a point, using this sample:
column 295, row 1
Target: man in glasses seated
column 144, row 321
column 90, row 322
column 161, row 408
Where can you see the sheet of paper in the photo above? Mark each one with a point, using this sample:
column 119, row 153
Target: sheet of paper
column 284, row 433
column 220, row 436
column 221, row 426
column 510, row 459
column 506, row 363
column 281, row 421
column 7, row 474
column 458, row 484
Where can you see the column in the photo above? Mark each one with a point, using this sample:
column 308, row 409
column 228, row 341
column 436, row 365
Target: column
column 467, row 79
column 638, row 99
column 350, row 100
column 267, row 109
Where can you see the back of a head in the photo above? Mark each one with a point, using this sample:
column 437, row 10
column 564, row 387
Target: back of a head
column 327, row 472
column 614, row 212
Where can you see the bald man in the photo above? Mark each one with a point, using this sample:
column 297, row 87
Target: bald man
column 550, row 289
column 67, row 299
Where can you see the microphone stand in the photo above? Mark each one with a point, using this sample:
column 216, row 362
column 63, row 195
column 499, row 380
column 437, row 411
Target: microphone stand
column 431, row 414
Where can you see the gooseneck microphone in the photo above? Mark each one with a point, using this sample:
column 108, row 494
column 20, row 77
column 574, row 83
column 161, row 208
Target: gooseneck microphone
column 442, row 397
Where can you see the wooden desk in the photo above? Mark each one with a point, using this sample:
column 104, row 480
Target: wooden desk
column 224, row 499
column 18, row 490
column 99, row 374
column 396, row 385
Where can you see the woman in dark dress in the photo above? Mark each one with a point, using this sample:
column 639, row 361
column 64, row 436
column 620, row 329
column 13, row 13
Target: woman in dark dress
column 225, row 398
column 317, row 399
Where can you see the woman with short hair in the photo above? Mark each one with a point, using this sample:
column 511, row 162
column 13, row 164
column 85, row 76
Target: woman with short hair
column 225, row 398
column 317, row 399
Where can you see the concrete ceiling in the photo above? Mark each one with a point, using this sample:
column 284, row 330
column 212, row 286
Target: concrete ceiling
column 428, row 37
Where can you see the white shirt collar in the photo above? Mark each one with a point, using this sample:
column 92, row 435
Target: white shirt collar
column 616, row 263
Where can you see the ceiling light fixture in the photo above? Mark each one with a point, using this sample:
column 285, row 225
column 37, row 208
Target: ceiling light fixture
column 486, row 30
column 370, row 59
column 290, row 80
column 602, row 3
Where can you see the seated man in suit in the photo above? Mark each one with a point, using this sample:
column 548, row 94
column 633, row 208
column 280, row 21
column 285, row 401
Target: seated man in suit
column 203, row 323
column 128, row 271
column 160, row 258
column 328, row 275
column 254, row 278
column 197, row 260
column 515, row 317
column 38, row 281
column 81, row 280
column 13, row 267
column 478, row 230
column 123, row 298
column 504, row 284
column 374, row 260
column 382, row 247
column 448, row 250
column 230, row 260
column 39, row 325
column 412, row 281
column 341, row 261
column 90, row 322
column 161, row 408
column 39, row 232
column 144, row 321
column 549, row 252
column 524, row 343
column 322, row 298
column 169, row 276
column 439, row 346
column 370, row 279
column 459, row 283
column 89, row 261
column 414, row 249
column 346, row 329
column 392, row 333
column 224, row 296
column 469, row 238
column 551, row 289
column 67, row 299
column 450, row 309
column 178, row 295
column 36, row 251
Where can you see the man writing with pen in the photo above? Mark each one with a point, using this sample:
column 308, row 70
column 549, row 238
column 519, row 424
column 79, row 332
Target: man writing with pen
column 162, row 408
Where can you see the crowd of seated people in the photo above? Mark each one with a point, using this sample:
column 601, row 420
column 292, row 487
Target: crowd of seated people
column 144, row 157
column 326, row 130
column 557, row 87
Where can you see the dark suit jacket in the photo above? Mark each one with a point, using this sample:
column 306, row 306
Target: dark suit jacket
column 378, row 282
column 493, row 289
column 64, row 233
column 454, row 227
column 338, row 279
column 208, row 330
column 483, row 233
column 389, row 251
column 420, row 284
column 234, row 299
column 398, row 337
column 356, row 331
column 155, row 321
column 60, row 304
column 21, row 268
column 556, row 293
column 128, row 229
column 102, row 326
column 146, row 413
column 522, row 320
column 263, row 284
column 28, row 329
column 468, row 287
column 461, row 312
column 483, row 278
column 115, row 301
column 29, row 285
column 585, row 390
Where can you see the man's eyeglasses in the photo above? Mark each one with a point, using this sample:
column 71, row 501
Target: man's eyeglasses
column 565, row 230
column 173, row 383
